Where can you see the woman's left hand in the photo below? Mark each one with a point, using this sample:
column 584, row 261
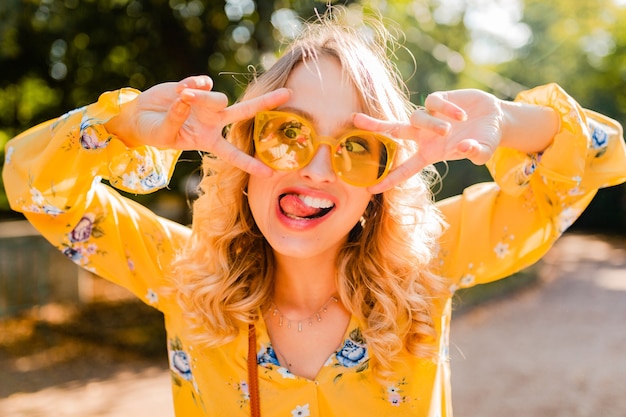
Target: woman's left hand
column 459, row 124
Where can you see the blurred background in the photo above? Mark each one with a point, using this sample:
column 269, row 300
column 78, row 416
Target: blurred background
column 57, row 55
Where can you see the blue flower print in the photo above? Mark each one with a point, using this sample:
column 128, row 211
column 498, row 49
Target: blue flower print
column 154, row 180
column 73, row 254
column 354, row 351
column 351, row 354
column 179, row 363
column 599, row 138
column 179, row 360
column 267, row 356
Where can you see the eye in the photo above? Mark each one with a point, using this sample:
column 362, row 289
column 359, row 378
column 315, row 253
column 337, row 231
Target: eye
column 356, row 145
column 291, row 130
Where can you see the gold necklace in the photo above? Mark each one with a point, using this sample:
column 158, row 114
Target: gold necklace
column 315, row 317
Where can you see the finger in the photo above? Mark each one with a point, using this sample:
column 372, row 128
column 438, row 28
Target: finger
column 395, row 129
column 176, row 115
column 210, row 100
column 247, row 109
column 198, row 82
column 422, row 119
column 439, row 103
column 178, row 112
column 406, row 170
column 473, row 150
column 238, row 158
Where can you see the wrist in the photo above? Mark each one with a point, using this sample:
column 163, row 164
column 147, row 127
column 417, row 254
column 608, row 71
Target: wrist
column 121, row 125
column 527, row 127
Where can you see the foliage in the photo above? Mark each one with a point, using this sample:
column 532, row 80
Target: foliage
column 56, row 55
column 581, row 46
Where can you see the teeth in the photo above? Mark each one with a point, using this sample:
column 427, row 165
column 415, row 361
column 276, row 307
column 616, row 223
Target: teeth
column 320, row 203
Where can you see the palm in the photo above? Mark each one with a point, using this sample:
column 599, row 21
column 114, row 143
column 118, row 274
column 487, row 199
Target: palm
column 481, row 128
column 152, row 123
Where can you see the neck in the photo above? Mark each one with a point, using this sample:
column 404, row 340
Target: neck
column 302, row 286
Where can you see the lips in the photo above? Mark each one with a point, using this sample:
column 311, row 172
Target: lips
column 299, row 206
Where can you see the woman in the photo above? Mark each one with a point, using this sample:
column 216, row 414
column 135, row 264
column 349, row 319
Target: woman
column 316, row 250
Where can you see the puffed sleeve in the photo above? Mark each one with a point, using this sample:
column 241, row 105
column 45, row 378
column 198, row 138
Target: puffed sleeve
column 496, row 229
column 53, row 174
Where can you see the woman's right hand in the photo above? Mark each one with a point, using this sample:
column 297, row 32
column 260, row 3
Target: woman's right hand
column 188, row 115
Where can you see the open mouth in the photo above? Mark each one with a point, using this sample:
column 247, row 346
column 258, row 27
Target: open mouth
column 298, row 206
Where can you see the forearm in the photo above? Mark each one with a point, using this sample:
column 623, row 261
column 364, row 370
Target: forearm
column 51, row 167
column 527, row 127
column 587, row 152
column 52, row 173
column 537, row 197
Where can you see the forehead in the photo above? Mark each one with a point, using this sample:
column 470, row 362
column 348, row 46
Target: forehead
column 322, row 90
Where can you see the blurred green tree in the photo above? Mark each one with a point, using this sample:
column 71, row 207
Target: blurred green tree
column 56, row 55
column 581, row 46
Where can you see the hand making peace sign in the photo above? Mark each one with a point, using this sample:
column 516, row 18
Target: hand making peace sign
column 453, row 125
column 188, row 115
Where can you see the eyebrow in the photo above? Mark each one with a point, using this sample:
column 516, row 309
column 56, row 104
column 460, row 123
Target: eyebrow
column 305, row 114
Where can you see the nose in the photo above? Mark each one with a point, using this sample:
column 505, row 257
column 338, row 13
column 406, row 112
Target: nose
column 320, row 168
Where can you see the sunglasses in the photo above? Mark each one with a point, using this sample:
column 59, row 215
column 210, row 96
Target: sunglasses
column 285, row 141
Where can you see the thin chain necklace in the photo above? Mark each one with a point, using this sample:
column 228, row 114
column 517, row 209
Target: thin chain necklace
column 315, row 317
column 282, row 359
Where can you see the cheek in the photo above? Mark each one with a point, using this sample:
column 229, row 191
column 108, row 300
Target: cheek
column 257, row 203
column 253, row 195
column 360, row 201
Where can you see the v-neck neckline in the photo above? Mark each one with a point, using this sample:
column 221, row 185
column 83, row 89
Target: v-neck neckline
column 264, row 344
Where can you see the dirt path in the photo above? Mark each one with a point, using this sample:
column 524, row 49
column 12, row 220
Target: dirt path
column 554, row 350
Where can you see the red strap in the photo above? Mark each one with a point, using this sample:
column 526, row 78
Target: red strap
column 253, row 374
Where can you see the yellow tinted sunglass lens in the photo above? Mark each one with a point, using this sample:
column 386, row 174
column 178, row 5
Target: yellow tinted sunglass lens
column 361, row 159
column 285, row 141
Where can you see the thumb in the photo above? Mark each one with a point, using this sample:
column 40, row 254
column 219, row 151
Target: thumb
column 473, row 150
column 174, row 119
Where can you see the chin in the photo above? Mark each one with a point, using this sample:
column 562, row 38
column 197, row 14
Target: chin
column 310, row 248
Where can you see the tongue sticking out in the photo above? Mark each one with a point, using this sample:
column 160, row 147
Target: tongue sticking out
column 292, row 205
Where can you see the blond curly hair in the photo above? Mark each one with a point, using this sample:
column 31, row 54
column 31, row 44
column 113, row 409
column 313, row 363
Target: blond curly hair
column 225, row 275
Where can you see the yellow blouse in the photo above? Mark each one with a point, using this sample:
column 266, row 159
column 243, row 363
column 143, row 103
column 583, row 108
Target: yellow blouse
column 53, row 175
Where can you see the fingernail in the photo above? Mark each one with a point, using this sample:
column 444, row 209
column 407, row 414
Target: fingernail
column 180, row 107
column 461, row 115
column 464, row 147
column 280, row 91
column 187, row 94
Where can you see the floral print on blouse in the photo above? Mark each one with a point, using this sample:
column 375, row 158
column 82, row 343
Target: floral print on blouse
column 53, row 174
